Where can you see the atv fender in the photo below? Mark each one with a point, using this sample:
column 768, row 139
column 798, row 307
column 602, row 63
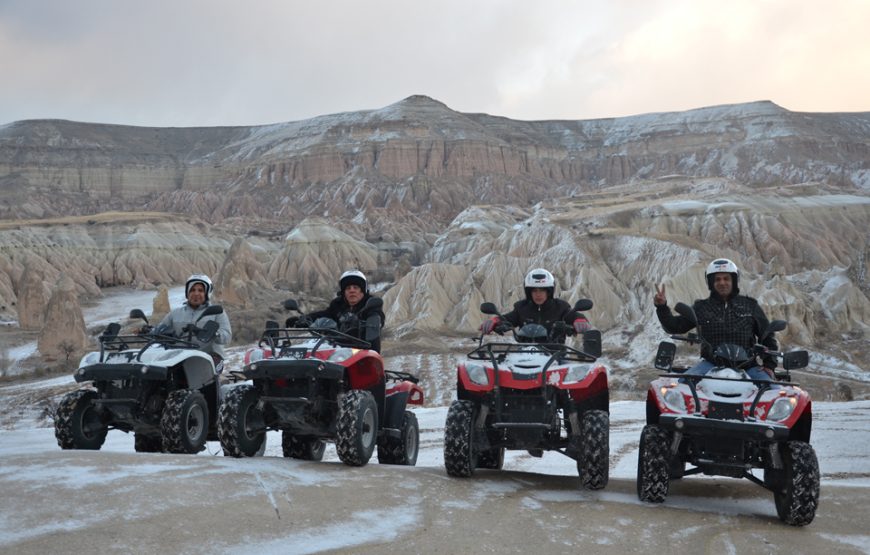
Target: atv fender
column 396, row 401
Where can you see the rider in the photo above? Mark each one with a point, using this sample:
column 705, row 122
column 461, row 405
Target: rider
column 724, row 317
column 539, row 307
column 353, row 293
column 197, row 290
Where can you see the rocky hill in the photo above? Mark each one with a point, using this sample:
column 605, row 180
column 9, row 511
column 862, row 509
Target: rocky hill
column 445, row 209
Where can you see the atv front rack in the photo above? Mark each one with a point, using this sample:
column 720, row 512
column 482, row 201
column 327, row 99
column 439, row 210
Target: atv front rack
column 117, row 343
column 559, row 352
column 284, row 341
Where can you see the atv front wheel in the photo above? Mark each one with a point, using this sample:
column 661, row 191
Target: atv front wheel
column 184, row 424
column 303, row 449
column 491, row 459
column 401, row 450
column 652, row 464
column 147, row 444
column 77, row 424
column 357, row 428
column 460, row 456
column 241, row 429
column 796, row 491
column 593, row 464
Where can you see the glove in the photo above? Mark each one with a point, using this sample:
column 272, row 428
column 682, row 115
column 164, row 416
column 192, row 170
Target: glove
column 581, row 324
column 488, row 325
column 303, row 322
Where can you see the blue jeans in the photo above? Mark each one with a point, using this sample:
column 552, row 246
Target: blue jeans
column 704, row 366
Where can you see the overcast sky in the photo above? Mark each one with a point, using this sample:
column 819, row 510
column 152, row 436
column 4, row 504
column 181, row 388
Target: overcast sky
column 215, row 62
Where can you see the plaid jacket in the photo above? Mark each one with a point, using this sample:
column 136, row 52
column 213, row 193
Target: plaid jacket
column 737, row 320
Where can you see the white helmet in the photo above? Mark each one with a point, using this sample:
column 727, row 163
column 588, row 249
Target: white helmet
column 199, row 278
column 719, row 266
column 539, row 278
column 353, row 277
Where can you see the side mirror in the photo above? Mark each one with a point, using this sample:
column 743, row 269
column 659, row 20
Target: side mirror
column 795, row 359
column 291, row 304
column 211, row 310
column 665, row 355
column 111, row 331
column 137, row 314
column 208, row 331
column 271, row 326
column 773, row 327
column 583, row 305
column 489, row 308
column 686, row 312
column 592, row 343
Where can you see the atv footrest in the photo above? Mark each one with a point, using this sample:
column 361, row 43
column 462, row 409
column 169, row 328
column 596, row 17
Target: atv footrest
column 522, row 425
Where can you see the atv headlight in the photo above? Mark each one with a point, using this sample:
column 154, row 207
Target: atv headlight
column 340, row 355
column 254, row 355
column 577, row 373
column 782, row 408
column 90, row 358
column 477, row 373
column 674, row 399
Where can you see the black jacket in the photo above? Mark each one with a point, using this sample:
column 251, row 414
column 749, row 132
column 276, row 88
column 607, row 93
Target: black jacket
column 737, row 320
column 339, row 311
column 552, row 311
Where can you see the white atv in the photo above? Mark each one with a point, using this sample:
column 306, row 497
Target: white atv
column 161, row 387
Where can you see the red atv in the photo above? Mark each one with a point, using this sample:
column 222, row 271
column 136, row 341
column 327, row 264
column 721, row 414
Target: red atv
column 533, row 394
column 723, row 423
column 320, row 384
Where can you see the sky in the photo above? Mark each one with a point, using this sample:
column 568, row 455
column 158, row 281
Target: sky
column 181, row 63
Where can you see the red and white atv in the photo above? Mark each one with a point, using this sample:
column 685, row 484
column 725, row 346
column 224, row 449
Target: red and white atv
column 318, row 384
column 724, row 423
column 533, row 394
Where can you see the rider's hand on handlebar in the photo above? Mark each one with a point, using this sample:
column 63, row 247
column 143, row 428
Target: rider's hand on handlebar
column 488, row 325
column 581, row 324
column 660, row 298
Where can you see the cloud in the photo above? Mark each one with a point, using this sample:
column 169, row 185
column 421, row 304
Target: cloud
column 198, row 62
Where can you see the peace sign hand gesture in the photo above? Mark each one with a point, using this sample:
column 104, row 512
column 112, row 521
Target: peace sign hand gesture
column 660, row 299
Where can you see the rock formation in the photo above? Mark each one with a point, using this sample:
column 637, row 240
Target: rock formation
column 241, row 276
column 160, row 306
column 63, row 337
column 32, row 297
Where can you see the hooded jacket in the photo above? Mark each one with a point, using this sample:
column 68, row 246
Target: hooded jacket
column 179, row 317
column 551, row 311
column 339, row 310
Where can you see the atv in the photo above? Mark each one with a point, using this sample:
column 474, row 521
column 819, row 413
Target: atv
column 725, row 424
column 533, row 394
column 161, row 387
column 320, row 383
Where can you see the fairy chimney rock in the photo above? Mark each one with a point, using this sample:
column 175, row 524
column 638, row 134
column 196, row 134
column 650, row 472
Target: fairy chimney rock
column 160, row 306
column 63, row 336
column 31, row 299
column 241, row 276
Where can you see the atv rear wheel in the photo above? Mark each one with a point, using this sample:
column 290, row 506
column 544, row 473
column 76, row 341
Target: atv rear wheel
column 652, row 464
column 147, row 444
column 241, row 429
column 304, row 449
column 460, row 455
column 77, row 424
column 796, row 486
column 184, row 424
column 593, row 463
column 404, row 449
column 357, row 428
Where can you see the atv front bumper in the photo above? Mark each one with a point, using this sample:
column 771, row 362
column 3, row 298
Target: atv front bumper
column 696, row 426
column 125, row 371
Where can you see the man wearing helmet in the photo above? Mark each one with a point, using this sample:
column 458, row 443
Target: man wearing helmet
column 724, row 317
column 353, row 293
column 539, row 307
column 197, row 290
